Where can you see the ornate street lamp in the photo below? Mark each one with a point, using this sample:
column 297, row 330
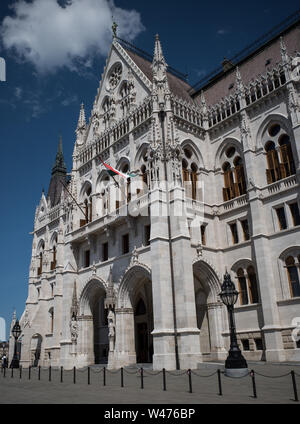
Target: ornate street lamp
column 16, row 332
column 235, row 365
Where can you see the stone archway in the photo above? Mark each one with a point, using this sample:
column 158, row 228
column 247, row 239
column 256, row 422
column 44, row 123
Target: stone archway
column 210, row 311
column 93, row 325
column 134, row 317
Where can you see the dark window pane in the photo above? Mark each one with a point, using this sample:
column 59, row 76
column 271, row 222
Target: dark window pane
column 203, row 235
column 147, row 235
column 245, row 226
column 294, row 281
column 125, row 244
column 234, row 232
column 243, row 291
column 87, row 259
column 105, row 252
column 295, row 213
column 281, row 218
column 246, row 344
column 258, row 344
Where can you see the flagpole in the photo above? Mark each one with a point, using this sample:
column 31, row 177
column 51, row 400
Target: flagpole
column 73, row 198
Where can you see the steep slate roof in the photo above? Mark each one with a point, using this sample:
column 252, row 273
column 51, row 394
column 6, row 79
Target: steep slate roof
column 177, row 86
column 251, row 65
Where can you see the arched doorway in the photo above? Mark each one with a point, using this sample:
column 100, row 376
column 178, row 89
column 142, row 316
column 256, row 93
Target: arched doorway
column 94, row 324
column 143, row 319
column 210, row 312
column 36, row 349
column 134, row 317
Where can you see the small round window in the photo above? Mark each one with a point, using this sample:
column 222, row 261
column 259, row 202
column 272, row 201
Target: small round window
column 115, row 76
column 230, row 152
column 274, row 130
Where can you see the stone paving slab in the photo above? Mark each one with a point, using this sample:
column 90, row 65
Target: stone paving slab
column 270, row 388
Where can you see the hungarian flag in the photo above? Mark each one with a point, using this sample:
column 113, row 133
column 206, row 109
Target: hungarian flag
column 113, row 172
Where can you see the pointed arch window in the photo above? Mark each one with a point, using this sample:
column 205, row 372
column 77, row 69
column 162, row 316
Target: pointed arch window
column 228, row 190
column 243, row 293
column 248, row 287
column 286, row 155
column 41, row 257
column 293, row 275
column 252, row 282
column 87, row 207
column 280, row 160
column 240, row 185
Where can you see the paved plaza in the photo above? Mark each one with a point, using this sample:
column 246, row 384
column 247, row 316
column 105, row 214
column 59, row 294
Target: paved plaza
column 277, row 388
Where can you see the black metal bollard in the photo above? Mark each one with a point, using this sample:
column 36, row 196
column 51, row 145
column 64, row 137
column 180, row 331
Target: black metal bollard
column 39, row 372
column 12, row 373
column 122, row 377
column 20, row 371
column 294, row 386
column 74, row 375
column 61, row 375
column 4, row 371
column 50, row 373
column 29, row 372
column 142, row 378
column 220, row 383
column 89, row 375
column 164, row 380
column 104, row 376
column 252, row 374
column 190, row 381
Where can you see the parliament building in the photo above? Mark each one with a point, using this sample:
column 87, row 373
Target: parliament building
column 128, row 271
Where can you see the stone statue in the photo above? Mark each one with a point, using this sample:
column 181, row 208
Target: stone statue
column 74, row 329
column 111, row 330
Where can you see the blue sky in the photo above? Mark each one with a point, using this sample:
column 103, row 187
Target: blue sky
column 55, row 56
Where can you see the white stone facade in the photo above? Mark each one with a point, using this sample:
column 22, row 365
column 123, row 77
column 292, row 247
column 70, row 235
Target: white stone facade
column 108, row 286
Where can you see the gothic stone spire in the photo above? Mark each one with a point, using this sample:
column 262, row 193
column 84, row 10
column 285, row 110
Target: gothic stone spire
column 81, row 126
column 159, row 68
column 59, row 165
column 59, row 173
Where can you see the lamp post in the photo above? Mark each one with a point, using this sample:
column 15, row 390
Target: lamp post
column 235, row 365
column 16, row 331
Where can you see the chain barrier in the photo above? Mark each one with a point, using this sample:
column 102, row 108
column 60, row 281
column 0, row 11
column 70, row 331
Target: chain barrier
column 235, row 378
column 272, row 376
column 152, row 373
column 82, row 369
column 97, row 371
column 131, row 373
column 204, row 376
column 176, row 375
column 113, row 372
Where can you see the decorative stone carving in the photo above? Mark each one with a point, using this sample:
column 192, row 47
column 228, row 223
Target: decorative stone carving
column 74, row 329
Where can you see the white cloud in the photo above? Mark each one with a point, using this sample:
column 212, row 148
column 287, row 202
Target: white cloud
column 50, row 35
column 70, row 100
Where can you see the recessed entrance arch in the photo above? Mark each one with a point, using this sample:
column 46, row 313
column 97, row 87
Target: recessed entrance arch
column 94, row 324
column 136, row 313
column 210, row 311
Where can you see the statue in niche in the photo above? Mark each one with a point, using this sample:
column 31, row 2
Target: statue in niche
column 111, row 330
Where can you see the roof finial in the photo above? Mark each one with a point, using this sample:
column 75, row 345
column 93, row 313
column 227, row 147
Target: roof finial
column 114, row 28
column 81, row 120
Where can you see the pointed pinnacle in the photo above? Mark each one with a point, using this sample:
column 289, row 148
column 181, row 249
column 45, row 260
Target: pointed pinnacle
column 81, row 120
